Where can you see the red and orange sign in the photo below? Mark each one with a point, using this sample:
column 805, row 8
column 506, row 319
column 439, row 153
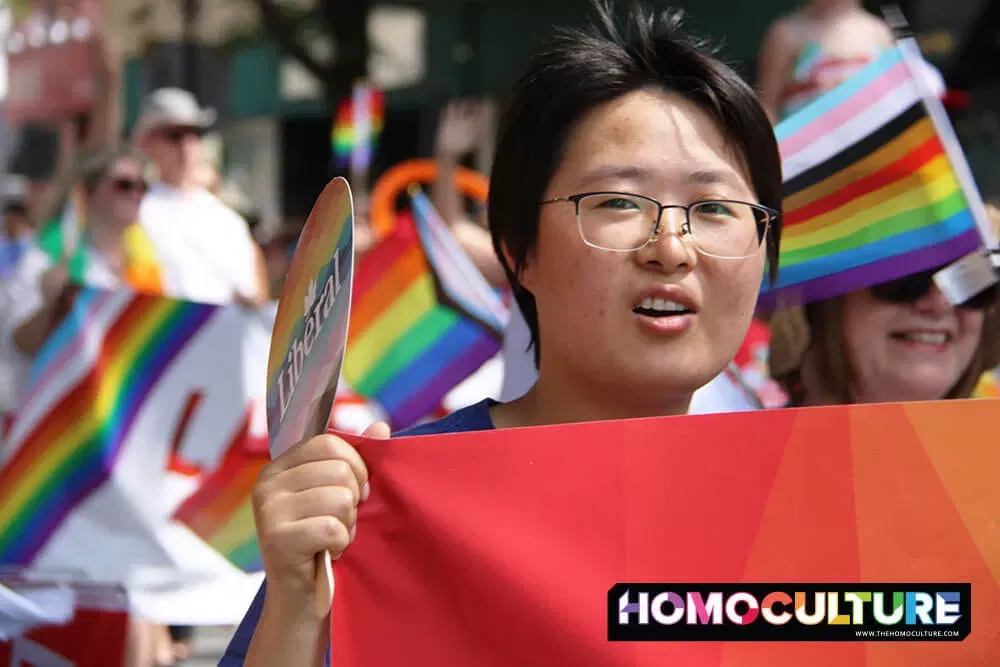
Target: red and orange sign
column 500, row 548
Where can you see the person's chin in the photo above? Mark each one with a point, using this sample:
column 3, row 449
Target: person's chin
column 920, row 387
column 673, row 374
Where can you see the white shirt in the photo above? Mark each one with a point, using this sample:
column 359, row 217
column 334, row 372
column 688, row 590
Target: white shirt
column 520, row 374
column 205, row 248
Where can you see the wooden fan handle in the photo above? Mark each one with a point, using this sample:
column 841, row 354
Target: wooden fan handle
column 324, row 584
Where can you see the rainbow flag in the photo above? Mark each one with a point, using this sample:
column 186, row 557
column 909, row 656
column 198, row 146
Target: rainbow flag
column 219, row 512
column 65, row 443
column 356, row 128
column 422, row 318
column 874, row 187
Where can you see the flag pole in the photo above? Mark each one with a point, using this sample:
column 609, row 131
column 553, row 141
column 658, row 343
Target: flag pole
column 362, row 129
column 914, row 59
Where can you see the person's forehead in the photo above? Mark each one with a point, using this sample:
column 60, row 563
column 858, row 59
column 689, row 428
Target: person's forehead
column 654, row 131
column 126, row 164
column 650, row 112
column 123, row 167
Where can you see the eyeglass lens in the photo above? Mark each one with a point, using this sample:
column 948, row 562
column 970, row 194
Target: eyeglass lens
column 617, row 221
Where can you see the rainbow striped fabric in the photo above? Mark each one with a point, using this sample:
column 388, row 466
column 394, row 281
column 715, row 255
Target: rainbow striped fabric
column 219, row 512
column 423, row 318
column 356, row 128
column 69, row 435
column 871, row 188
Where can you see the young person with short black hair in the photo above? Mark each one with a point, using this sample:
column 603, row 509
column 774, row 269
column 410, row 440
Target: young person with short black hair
column 635, row 202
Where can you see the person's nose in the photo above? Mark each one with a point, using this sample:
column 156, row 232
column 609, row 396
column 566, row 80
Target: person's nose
column 670, row 247
column 934, row 303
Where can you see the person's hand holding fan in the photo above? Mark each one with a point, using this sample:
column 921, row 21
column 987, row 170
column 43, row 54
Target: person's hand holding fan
column 305, row 503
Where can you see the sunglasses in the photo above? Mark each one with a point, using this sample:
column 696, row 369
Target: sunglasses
column 178, row 134
column 127, row 186
column 915, row 287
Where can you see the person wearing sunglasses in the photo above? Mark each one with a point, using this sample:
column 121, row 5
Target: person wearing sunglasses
column 634, row 200
column 209, row 253
column 107, row 254
column 901, row 340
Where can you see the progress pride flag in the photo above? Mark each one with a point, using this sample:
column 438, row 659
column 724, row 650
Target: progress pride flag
column 499, row 548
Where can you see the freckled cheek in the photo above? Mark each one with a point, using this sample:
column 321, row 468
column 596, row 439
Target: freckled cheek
column 588, row 289
column 730, row 295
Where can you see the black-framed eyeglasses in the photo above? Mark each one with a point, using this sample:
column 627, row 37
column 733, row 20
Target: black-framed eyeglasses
column 626, row 222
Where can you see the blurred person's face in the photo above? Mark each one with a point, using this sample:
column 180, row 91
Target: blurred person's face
column 906, row 342
column 119, row 194
column 661, row 321
column 16, row 221
column 176, row 151
column 208, row 177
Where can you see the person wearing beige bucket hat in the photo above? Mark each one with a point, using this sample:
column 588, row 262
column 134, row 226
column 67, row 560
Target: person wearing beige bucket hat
column 173, row 108
column 898, row 341
column 209, row 253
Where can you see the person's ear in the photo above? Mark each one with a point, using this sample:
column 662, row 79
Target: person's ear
column 526, row 274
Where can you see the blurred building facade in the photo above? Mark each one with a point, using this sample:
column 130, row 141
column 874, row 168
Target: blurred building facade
column 273, row 138
column 274, row 121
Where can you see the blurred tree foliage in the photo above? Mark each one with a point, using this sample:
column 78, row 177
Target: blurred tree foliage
column 341, row 23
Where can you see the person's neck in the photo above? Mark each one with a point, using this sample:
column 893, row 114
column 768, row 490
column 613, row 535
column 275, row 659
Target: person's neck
column 182, row 183
column 860, row 396
column 562, row 399
column 106, row 239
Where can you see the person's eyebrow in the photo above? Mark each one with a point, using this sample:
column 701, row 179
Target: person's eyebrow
column 617, row 172
column 711, row 177
column 645, row 176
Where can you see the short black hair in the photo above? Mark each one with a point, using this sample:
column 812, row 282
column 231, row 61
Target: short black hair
column 580, row 70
